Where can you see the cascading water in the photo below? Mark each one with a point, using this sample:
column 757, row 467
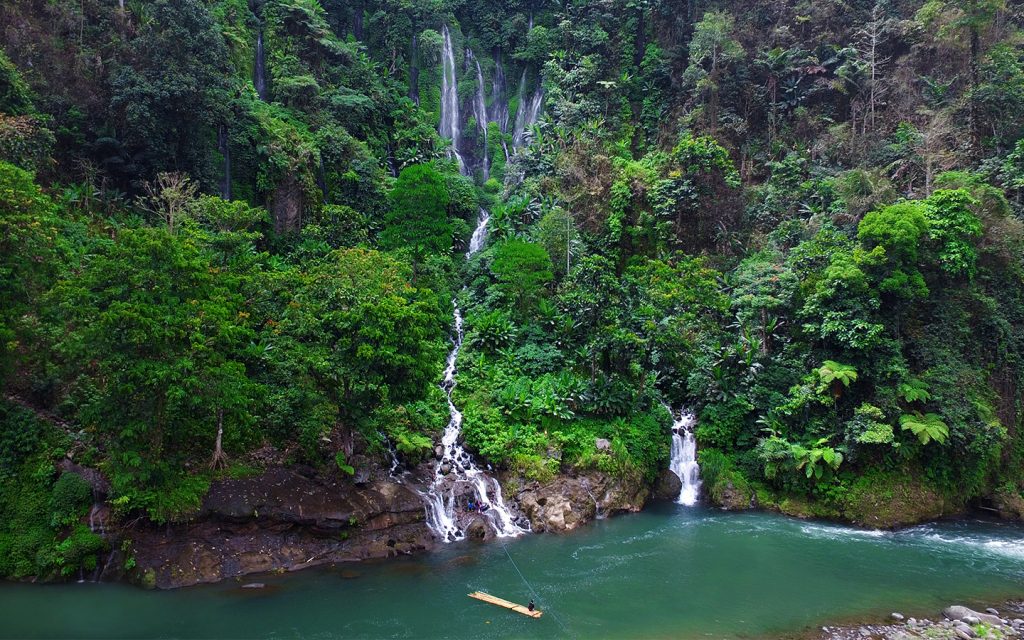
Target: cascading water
column 259, row 71
column 456, row 469
column 499, row 105
column 530, row 113
column 684, row 457
column 480, row 111
column 450, row 126
column 520, row 110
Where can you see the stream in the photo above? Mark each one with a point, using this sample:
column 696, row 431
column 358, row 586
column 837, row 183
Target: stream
column 668, row 572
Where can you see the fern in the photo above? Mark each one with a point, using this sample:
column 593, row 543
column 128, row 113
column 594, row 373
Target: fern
column 927, row 427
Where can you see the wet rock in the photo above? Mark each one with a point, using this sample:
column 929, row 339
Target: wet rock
column 282, row 520
column 438, row 452
column 992, row 611
column 667, row 486
column 898, row 617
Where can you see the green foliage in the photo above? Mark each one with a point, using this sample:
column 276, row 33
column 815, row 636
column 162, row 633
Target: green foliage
column 955, row 229
column 522, row 270
column 928, row 427
column 339, row 460
column 418, row 219
column 15, row 99
column 71, row 498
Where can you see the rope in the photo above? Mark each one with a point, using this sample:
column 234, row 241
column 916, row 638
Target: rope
column 536, row 596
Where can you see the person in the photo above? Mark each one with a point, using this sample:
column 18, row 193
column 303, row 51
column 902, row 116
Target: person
column 531, row 605
column 471, row 505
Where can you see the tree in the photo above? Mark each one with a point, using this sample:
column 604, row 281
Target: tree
column 712, row 51
column 892, row 235
column 357, row 335
column 158, row 342
column 418, row 219
column 955, row 229
column 522, row 270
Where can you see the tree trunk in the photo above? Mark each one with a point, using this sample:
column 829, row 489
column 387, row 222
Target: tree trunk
column 219, row 460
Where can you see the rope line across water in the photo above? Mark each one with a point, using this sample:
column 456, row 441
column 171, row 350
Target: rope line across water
column 534, row 592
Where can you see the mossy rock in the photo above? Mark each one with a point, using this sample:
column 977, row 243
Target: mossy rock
column 885, row 500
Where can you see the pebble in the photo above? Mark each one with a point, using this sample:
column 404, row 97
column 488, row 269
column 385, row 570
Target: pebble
column 960, row 633
column 897, row 616
column 992, row 611
column 912, row 622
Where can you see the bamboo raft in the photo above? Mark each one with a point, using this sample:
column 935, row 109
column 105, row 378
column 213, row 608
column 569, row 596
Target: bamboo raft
column 518, row 608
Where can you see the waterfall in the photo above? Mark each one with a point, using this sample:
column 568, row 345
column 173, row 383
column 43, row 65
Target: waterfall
column 225, row 150
column 450, row 122
column 456, row 467
column 520, row 109
column 684, row 457
column 499, row 105
column 259, row 74
column 476, row 242
column 526, row 117
column 480, row 111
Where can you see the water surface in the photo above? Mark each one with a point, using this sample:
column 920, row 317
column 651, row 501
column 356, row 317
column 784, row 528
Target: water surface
column 670, row 572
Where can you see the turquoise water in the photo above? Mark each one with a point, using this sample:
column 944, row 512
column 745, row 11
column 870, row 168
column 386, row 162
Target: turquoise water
column 670, row 572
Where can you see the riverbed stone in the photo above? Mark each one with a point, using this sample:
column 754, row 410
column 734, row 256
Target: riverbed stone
column 959, row 612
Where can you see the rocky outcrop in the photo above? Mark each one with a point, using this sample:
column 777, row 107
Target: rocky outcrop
column 568, row 501
column 281, row 520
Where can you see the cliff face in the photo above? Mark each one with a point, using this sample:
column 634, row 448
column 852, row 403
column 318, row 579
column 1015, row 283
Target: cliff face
column 285, row 519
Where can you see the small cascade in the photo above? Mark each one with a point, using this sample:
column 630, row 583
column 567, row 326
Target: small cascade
column 98, row 525
column 450, row 126
column 456, row 471
column 396, row 471
column 499, row 103
column 225, row 149
column 259, row 72
column 480, row 111
column 684, row 457
column 476, row 242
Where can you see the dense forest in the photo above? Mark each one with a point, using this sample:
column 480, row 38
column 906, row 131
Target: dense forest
column 233, row 232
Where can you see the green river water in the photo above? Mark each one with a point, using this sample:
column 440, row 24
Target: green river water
column 669, row 572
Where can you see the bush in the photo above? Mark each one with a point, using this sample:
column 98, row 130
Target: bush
column 71, row 496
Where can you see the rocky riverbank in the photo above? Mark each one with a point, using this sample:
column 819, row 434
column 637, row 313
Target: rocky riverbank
column 956, row 622
column 292, row 518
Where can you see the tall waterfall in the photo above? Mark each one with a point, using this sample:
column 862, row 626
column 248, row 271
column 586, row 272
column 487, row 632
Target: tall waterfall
column 526, row 116
column 499, row 103
column 480, row 111
column 684, row 457
column 450, row 126
column 456, row 471
column 259, row 72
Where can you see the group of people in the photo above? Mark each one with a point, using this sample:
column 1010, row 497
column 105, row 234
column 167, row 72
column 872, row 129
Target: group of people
column 477, row 506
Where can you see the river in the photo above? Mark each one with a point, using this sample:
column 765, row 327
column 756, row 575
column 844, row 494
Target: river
column 669, row 572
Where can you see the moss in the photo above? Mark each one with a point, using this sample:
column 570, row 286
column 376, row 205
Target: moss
column 887, row 499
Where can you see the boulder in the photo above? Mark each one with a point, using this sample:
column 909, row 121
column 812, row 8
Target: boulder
column 603, row 444
column 569, row 501
column 957, row 612
column 667, row 486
